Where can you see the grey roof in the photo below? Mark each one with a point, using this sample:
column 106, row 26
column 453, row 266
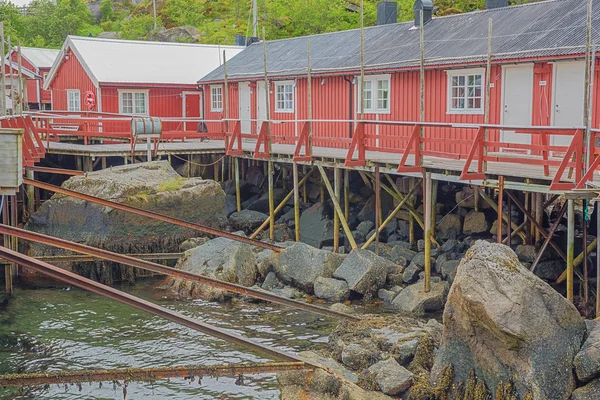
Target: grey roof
column 41, row 58
column 544, row 29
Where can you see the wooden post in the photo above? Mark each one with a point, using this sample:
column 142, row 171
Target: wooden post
column 338, row 209
column 488, row 86
column 30, row 194
column 20, row 96
column 296, row 201
column 476, row 198
column 304, row 189
column 215, row 168
column 427, row 203
column 500, row 212
column 322, row 194
column 434, row 193
column 238, row 195
column 586, row 292
column 539, row 215
column 570, row 247
column 2, row 73
column 309, row 99
column 8, row 244
column 271, row 202
column 411, row 219
column 336, row 218
column 421, row 88
column 509, row 213
column 377, row 209
column 346, row 194
column 267, row 97
column 597, row 261
column 226, row 94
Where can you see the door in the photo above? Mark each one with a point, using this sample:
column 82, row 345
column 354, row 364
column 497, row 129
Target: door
column 244, row 104
column 517, row 94
column 569, row 85
column 192, row 110
column 261, row 105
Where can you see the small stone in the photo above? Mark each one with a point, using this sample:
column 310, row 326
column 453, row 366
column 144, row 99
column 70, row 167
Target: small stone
column 405, row 351
column 288, row 292
column 475, row 223
column 449, row 270
column 391, row 377
column 270, row 282
column 396, row 289
column 591, row 391
column 386, row 295
column 550, row 270
column 247, row 220
column 411, row 274
column 452, row 245
column 365, row 227
column 413, row 298
column 526, row 253
column 331, row 289
column 364, row 271
column 450, row 227
column 358, row 357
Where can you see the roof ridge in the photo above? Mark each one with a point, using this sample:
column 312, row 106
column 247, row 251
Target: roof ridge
column 150, row 42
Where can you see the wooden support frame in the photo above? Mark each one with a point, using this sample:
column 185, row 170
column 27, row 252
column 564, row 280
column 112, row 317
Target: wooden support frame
column 296, row 191
column 427, row 200
column 304, row 140
column 264, row 141
column 238, row 196
column 338, row 209
column 336, row 217
column 236, row 138
column 415, row 142
column 501, row 211
column 575, row 149
column 505, row 217
column 477, row 148
column 570, row 247
column 357, row 145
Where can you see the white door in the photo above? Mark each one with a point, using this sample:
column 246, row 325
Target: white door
column 244, row 103
column 569, row 85
column 517, row 93
column 261, row 105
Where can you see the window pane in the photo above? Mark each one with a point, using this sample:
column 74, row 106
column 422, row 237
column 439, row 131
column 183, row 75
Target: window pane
column 140, row 103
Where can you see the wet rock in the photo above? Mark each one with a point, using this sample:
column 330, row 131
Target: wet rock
column 411, row 274
column 414, row 300
column 365, row 227
column 329, row 363
column 191, row 243
column 316, row 227
column 288, row 292
column 404, row 351
column 340, row 307
column 300, row 265
column 386, row 295
column 587, row 361
column 494, row 228
column 550, row 270
column 450, row 227
column 219, row 258
column 230, row 204
column 359, row 356
column 475, row 223
column 247, row 220
column 449, row 270
column 506, row 323
column 591, row 391
column 270, row 282
column 526, row 253
column 401, row 252
column 364, row 271
column 391, row 377
column 358, row 238
column 331, row 289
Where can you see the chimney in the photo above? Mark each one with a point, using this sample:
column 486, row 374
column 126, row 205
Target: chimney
column 427, row 7
column 491, row 4
column 387, row 12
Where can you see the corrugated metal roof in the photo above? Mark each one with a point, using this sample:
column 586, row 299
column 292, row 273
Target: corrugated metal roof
column 41, row 58
column 543, row 29
column 140, row 62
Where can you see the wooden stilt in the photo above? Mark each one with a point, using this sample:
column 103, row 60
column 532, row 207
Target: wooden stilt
column 504, row 216
column 8, row 244
column 539, row 215
column 549, row 236
column 336, row 218
column 500, row 212
column 346, row 194
column 322, row 194
column 570, row 247
column 296, row 202
column 427, row 197
column 597, row 261
column 476, row 198
column 215, row 168
column 103, row 162
column 337, row 208
column 30, row 194
column 79, row 163
column 411, row 219
column 586, row 292
column 377, row 209
column 434, row 193
column 271, row 202
column 304, row 189
column 238, row 195
column 509, row 213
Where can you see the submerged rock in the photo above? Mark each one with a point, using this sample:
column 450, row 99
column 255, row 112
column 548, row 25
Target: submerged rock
column 505, row 323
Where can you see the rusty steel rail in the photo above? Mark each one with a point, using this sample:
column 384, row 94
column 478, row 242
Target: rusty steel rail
column 88, row 257
column 58, row 171
column 177, row 273
column 150, row 214
column 143, row 305
column 149, row 374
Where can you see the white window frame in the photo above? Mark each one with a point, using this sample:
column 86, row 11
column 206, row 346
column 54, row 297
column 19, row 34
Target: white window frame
column 373, row 81
column 288, row 104
column 78, row 94
column 133, row 105
column 216, row 99
column 465, row 73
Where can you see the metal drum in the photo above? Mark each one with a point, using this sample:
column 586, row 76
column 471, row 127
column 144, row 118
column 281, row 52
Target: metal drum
column 146, row 126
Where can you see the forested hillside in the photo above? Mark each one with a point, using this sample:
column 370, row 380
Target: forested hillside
column 46, row 23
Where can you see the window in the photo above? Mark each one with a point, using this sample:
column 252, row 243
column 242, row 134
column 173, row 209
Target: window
column 44, row 76
column 133, row 102
column 376, row 94
column 73, row 100
column 284, row 97
column 216, row 98
column 465, row 92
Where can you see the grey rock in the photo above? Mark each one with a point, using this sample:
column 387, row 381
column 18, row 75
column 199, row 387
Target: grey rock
column 364, row 271
column 411, row 274
column 397, row 289
column 450, row 227
column 550, row 270
column 365, row 227
column 433, row 278
column 331, row 289
column 591, row 391
column 340, row 307
column 475, row 223
column 506, row 323
column 419, row 260
column 316, row 227
column 247, row 220
column 391, row 377
column 449, row 270
column 191, row 243
column 254, row 176
column 288, row 292
column 466, row 199
column 405, row 351
column 262, row 203
column 300, row 265
column 526, row 253
column 368, row 211
column 386, row 295
column 359, row 356
column 270, row 282
column 329, row 363
column 452, row 245
column 414, row 300
column 587, row 361
column 401, row 251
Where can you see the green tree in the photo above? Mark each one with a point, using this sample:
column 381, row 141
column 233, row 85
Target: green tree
column 107, row 10
column 137, row 27
column 69, row 16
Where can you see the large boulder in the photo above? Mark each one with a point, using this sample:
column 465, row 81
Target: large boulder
column 331, row 289
column 591, row 391
column 587, row 361
column 475, row 223
column 220, row 258
column 316, row 226
column 300, row 265
column 414, row 299
column 507, row 324
column 391, row 377
column 450, row 227
column 364, row 271
column 153, row 186
column 247, row 220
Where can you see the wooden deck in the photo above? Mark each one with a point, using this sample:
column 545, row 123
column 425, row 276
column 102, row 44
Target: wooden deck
column 517, row 176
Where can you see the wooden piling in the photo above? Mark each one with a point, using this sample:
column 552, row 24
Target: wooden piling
column 411, row 219
column 238, row 195
column 336, row 218
column 570, row 247
column 427, row 237
column 296, row 202
column 597, row 260
column 500, row 212
column 8, row 244
column 29, row 194
column 271, row 202
column 304, row 189
column 586, row 292
column 2, row 73
column 346, row 194
column 377, row 209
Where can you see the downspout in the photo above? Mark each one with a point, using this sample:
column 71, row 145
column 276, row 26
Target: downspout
column 350, row 106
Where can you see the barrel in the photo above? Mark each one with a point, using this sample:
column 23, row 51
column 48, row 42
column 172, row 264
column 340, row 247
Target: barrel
column 141, row 126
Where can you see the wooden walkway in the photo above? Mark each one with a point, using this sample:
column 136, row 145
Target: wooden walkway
column 517, row 176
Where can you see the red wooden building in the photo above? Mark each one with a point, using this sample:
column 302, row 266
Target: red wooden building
column 537, row 77
column 132, row 77
column 35, row 65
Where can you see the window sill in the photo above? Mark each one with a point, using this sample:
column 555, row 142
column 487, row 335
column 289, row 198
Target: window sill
column 375, row 112
column 465, row 112
column 284, row 111
column 216, row 110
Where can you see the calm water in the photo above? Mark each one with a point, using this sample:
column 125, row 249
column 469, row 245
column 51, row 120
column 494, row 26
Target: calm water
column 50, row 330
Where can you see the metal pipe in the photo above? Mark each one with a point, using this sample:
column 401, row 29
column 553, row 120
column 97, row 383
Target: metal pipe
column 549, row 237
column 377, row 209
column 162, row 269
column 570, row 247
column 500, row 209
column 337, row 207
column 238, row 195
column 127, row 299
column 586, row 292
column 153, row 215
column 427, row 204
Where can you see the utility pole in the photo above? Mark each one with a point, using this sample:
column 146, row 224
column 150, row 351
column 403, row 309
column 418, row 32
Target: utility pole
column 154, row 8
column 254, row 18
column 3, row 73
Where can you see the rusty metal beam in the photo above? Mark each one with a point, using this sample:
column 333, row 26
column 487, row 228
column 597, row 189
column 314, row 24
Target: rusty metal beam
column 149, row 374
column 88, row 258
column 58, row 171
column 177, row 273
column 549, row 237
column 143, row 305
column 153, row 215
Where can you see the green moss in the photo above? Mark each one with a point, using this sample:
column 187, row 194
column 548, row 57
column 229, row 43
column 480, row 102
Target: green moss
column 171, row 185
